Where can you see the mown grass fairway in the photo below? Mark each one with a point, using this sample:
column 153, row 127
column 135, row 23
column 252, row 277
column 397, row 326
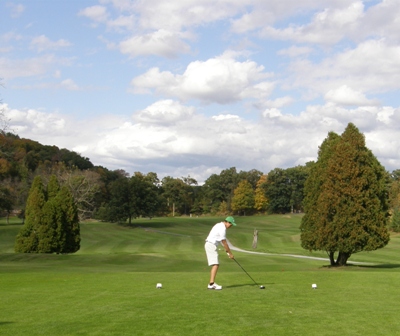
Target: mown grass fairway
column 109, row 286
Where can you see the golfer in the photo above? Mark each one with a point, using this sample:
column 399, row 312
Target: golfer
column 217, row 236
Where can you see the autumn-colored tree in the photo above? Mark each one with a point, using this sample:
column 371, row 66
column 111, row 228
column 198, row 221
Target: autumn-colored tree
column 345, row 199
column 260, row 198
column 243, row 198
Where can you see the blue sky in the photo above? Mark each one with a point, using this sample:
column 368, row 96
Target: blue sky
column 194, row 87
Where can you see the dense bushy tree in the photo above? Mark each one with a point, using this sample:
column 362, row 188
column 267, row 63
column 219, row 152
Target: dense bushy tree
column 6, row 200
column 132, row 197
column 297, row 177
column 345, row 199
column 51, row 222
column 260, row 198
column 278, row 191
column 395, row 220
column 243, row 199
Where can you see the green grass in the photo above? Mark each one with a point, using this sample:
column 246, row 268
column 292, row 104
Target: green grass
column 109, row 286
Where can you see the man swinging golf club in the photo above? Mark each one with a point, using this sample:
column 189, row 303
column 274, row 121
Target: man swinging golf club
column 217, row 236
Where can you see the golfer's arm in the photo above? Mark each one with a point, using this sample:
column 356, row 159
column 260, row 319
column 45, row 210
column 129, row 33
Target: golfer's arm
column 227, row 249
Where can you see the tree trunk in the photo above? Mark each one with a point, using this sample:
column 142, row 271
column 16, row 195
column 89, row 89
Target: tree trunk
column 342, row 258
column 255, row 239
column 332, row 258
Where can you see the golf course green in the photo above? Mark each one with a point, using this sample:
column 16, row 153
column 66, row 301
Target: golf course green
column 109, row 286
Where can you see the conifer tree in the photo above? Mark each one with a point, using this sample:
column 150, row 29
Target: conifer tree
column 52, row 223
column 345, row 199
column 47, row 231
column 27, row 240
column 68, row 228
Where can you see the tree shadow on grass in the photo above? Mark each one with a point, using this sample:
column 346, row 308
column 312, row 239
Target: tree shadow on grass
column 372, row 266
column 380, row 266
column 3, row 323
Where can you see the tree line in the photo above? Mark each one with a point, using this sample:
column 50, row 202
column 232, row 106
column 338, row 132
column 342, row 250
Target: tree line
column 117, row 196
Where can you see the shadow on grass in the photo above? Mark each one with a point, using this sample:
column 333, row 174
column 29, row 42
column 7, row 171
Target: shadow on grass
column 375, row 266
column 247, row 285
column 151, row 225
column 380, row 266
column 12, row 224
column 3, row 323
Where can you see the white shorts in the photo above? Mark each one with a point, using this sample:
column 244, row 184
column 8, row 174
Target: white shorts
column 212, row 254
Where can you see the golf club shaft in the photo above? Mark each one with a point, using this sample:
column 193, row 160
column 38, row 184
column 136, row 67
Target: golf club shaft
column 245, row 272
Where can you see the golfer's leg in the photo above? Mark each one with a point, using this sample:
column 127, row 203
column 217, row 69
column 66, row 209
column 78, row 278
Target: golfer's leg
column 214, row 270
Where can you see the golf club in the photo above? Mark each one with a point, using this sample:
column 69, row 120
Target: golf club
column 261, row 287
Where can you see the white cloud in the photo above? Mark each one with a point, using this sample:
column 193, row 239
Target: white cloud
column 345, row 95
column 372, row 66
column 161, row 42
column 219, row 80
column 327, row 27
column 164, row 112
column 43, row 43
column 34, row 122
column 69, row 84
column 95, row 13
column 259, row 13
column 14, row 68
column 294, row 51
column 16, row 9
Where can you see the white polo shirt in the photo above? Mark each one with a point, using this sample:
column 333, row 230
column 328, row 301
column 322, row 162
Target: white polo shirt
column 217, row 233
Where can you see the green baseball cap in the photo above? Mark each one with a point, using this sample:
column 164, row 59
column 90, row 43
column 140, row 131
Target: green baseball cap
column 231, row 220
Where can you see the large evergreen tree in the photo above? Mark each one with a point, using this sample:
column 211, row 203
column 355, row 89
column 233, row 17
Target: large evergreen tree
column 345, row 199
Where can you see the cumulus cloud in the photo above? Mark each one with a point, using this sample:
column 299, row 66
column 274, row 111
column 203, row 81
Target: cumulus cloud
column 345, row 95
column 259, row 13
column 327, row 27
column 219, row 80
column 372, row 66
column 165, row 112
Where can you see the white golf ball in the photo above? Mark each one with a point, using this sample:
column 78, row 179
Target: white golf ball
column 159, row 285
column 314, row 286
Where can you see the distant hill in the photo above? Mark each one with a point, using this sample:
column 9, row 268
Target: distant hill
column 19, row 155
